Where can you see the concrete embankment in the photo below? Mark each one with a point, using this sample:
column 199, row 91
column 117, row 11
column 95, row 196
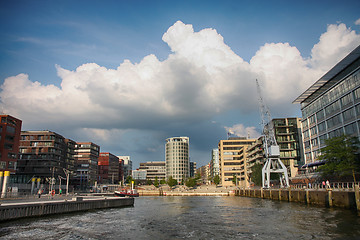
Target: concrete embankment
column 184, row 191
column 9, row 211
column 327, row 198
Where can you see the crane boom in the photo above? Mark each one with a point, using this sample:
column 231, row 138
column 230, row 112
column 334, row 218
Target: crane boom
column 273, row 164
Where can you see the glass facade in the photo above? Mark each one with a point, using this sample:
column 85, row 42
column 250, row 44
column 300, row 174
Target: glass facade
column 333, row 113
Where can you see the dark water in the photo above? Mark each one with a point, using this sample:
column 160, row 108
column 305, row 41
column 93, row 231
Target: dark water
column 193, row 218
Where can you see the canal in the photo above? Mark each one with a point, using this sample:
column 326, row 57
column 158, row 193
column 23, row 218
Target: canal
column 193, row 218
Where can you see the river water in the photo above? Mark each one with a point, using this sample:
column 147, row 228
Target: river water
column 193, row 218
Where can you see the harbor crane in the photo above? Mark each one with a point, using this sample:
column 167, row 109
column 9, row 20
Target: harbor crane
column 273, row 164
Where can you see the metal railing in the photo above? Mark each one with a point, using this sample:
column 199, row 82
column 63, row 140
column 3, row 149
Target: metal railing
column 320, row 185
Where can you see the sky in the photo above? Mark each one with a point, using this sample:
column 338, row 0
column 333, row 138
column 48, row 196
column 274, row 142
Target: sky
column 127, row 75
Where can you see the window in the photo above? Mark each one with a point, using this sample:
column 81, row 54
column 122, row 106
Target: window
column 320, row 115
column 348, row 114
column 346, row 100
column 334, row 121
column 322, row 127
column 351, row 129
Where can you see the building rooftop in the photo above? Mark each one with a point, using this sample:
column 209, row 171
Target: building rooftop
column 329, row 79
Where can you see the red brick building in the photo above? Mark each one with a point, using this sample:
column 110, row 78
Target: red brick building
column 10, row 130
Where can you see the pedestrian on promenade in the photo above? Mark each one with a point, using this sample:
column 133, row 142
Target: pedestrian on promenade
column 39, row 193
column 309, row 185
column 323, row 184
column 327, row 184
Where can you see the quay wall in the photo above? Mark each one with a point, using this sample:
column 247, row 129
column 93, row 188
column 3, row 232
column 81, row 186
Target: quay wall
column 11, row 211
column 326, row 198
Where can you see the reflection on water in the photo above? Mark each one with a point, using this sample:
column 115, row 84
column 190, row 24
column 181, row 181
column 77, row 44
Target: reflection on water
column 193, row 218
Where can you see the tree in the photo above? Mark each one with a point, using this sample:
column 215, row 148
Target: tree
column 190, row 182
column 172, row 182
column 342, row 157
column 216, row 180
column 162, row 181
column 149, row 182
column 256, row 174
column 128, row 179
column 234, row 180
column 156, row 182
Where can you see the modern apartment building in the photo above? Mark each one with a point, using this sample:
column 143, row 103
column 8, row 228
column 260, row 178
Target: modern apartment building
column 43, row 154
column 214, row 163
column 177, row 158
column 10, row 130
column 288, row 137
column 87, row 155
column 108, row 168
column 154, row 169
column 331, row 106
column 255, row 155
column 233, row 158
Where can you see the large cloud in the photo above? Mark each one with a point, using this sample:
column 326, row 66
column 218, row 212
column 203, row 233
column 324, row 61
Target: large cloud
column 200, row 79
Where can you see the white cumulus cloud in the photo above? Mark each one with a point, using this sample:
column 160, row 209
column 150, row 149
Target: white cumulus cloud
column 200, row 79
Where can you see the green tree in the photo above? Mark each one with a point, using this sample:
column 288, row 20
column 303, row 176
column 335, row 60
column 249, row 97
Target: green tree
column 341, row 156
column 256, row 174
column 171, row 181
column 216, row 180
column 234, row 180
column 162, row 181
column 190, row 182
column 128, row 179
column 156, row 182
column 149, row 182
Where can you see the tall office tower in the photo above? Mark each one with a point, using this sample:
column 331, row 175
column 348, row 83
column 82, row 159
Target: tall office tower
column 214, row 163
column 331, row 106
column 87, row 155
column 232, row 157
column 42, row 154
column 108, row 168
column 177, row 158
column 10, row 130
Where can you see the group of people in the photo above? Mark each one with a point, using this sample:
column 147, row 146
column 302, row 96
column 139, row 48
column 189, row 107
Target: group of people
column 52, row 192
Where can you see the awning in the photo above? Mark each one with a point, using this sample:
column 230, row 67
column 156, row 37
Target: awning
column 313, row 164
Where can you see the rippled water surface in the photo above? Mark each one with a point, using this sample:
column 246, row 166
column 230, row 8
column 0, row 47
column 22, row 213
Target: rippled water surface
column 193, row 218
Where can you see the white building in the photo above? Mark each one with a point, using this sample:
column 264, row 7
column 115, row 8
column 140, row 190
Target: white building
column 177, row 158
column 215, row 164
column 127, row 166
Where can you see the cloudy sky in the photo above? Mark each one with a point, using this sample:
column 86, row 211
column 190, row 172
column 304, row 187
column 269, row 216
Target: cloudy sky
column 126, row 75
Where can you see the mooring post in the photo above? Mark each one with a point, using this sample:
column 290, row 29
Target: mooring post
column 357, row 197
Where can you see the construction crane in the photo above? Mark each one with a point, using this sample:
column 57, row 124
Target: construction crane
column 273, row 164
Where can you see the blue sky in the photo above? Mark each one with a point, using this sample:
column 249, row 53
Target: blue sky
column 47, row 47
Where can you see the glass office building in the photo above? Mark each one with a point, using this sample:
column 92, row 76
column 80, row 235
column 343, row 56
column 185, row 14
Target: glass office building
column 331, row 106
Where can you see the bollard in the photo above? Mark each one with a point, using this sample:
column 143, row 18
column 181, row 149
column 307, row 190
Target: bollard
column 1, row 179
column 330, row 197
column 357, row 197
column 5, row 184
column 32, row 185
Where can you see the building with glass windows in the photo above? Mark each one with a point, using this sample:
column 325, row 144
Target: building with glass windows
column 10, row 130
column 233, row 161
column 177, row 161
column 87, row 155
column 214, row 163
column 331, row 106
column 154, row 170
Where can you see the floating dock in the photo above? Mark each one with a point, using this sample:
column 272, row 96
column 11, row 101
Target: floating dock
column 10, row 211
